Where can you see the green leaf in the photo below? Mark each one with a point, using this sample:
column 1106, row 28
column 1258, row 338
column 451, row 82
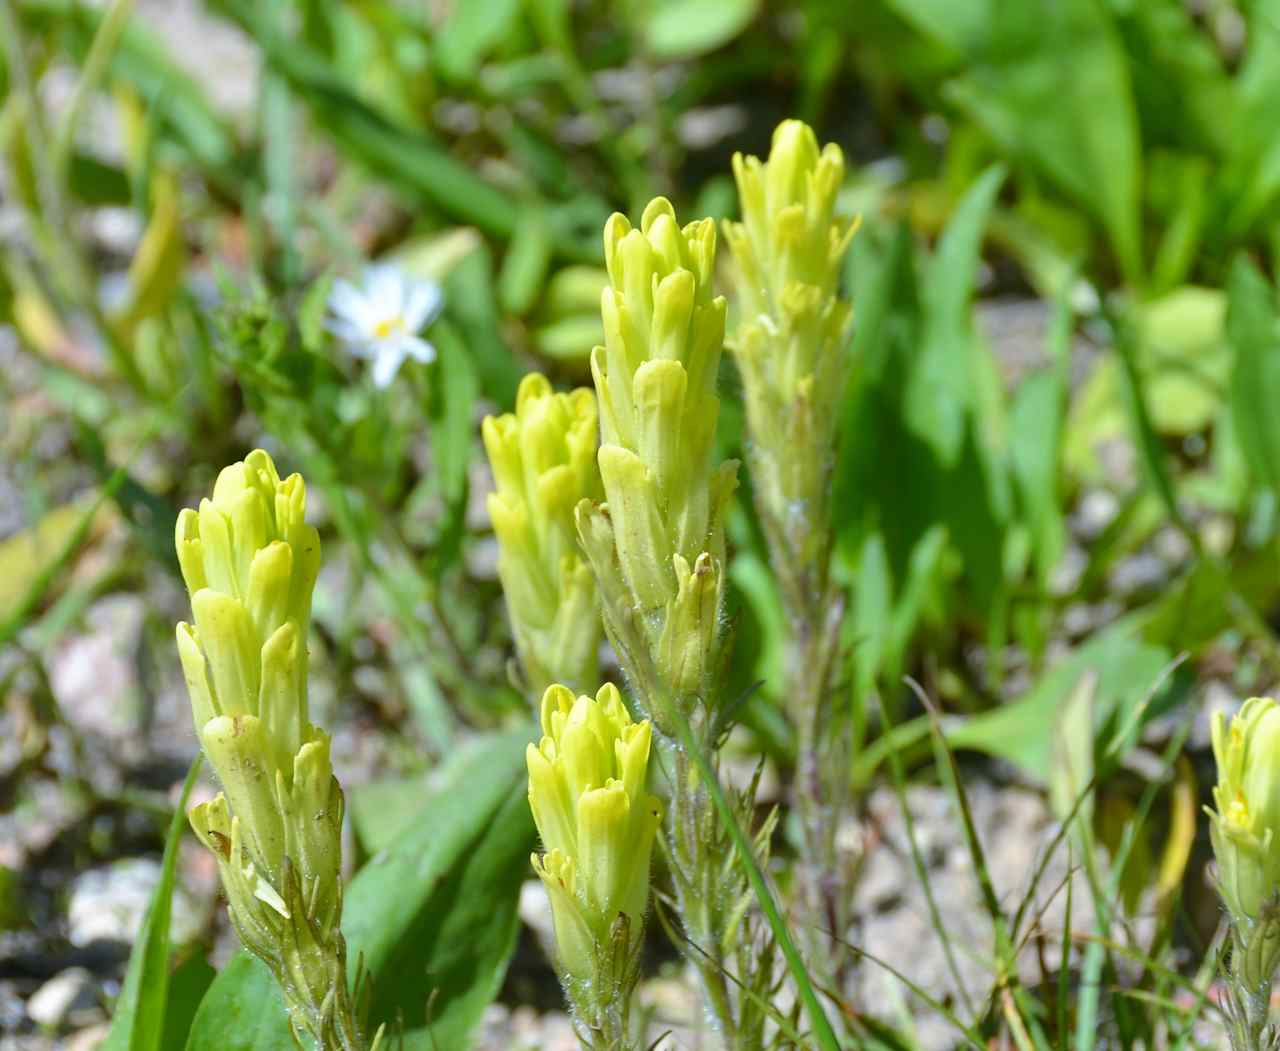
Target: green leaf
column 1023, row 731
column 689, row 28
column 470, row 32
column 943, row 387
column 1048, row 81
column 471, row 304
column 467, row 933
column 1254, row 334
column 454, row 390
column 243, row 1010
column 524, row 270
column 187, row 986
column 1251, row 180
column 433, row 917
column 139, row 1020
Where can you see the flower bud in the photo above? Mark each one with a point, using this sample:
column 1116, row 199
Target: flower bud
column 655, row 377
column 1245, row 827
column 543, row 459
column 791, row 345
column 587, row 793
column 250, row 562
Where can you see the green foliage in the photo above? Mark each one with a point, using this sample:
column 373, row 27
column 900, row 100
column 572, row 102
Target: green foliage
column 431, row 918
column 1112, row 166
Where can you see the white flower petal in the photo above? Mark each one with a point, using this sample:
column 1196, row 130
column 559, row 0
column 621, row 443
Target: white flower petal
column 419, row 349
column 350, row 304
column 387, row 363
column 423, row 305
column 346, row 330
column 384, row 286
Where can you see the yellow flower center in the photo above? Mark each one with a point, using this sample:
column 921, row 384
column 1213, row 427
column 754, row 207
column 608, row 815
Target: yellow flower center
column 387, row 326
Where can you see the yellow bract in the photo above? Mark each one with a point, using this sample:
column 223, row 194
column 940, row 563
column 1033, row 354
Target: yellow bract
column 655, row 376
column 597, row 822
column 1246, row 825
column 791, row 343
column 250, row 561
column 544, row 461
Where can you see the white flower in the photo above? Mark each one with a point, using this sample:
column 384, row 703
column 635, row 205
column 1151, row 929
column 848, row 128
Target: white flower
column 381, row 319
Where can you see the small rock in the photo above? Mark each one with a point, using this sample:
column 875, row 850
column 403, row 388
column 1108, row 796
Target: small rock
column 1098, row 507
column 89, row 1039
column 62, row 996
column 535, row 911
column 1142, row 572
column 94, row 673
column 109, row 904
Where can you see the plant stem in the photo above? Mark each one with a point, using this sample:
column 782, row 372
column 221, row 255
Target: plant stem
column 695, row 885
column 800, row 555
column 824, row 1035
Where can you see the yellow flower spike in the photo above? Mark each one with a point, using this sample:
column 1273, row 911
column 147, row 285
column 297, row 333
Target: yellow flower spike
column 655, row 378
column 1245, row 827
column 543, row 460
column 791, row 344
column 597, row 823
column 250, row 562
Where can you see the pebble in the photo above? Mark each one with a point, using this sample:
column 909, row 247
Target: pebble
column 89, row 1039
column 94, row 672
column 62, row 997
column 109, row 904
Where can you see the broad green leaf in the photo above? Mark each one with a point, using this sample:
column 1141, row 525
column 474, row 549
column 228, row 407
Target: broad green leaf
column 382, row 812
column 467, row 934
column 1071, row 768
column 436, row 911
column 243, row 1010
column 139, row 1020
column 1253, row 330
column 188, row 983
column 689, row 28
column 1048, row 81
column 950, row 404
column 1023, row 731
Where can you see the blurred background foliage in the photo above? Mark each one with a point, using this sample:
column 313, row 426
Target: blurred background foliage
column 1059, row 466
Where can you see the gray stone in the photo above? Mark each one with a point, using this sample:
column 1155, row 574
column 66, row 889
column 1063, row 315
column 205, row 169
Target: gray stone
column 71, row 992
column 110, row 903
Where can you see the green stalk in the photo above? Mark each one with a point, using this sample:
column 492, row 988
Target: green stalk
column 825, row 1035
